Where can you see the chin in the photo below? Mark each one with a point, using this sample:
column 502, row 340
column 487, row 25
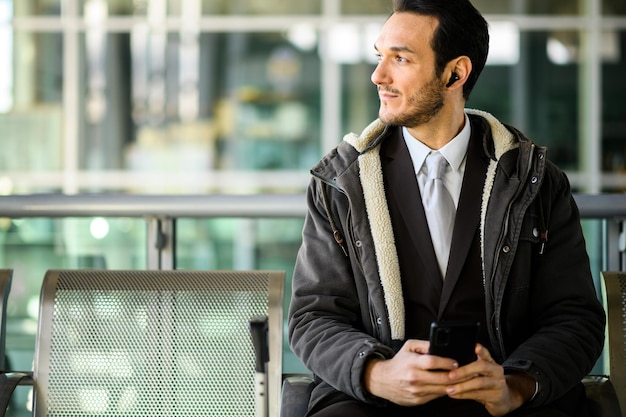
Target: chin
column 387, row 118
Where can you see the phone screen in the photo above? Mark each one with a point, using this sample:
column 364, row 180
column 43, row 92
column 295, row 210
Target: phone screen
column 454, row 339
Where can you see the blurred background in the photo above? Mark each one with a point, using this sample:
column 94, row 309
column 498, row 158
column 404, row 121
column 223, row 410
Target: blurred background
column 243, row 97
column 200, row 96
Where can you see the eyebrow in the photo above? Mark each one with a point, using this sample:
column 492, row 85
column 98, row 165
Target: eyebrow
column 398, row 49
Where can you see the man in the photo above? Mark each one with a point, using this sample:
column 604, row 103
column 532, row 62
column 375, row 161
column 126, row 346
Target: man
column 374, row 270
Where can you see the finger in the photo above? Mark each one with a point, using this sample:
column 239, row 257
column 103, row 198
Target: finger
column 416, row 346
column 438, row 363
column 478, row 388
column 482, row 367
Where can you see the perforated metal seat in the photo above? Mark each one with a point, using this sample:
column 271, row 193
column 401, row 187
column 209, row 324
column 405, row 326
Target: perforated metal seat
column 154, row 343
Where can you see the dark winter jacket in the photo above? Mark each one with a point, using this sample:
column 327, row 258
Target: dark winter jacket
column 347, row 302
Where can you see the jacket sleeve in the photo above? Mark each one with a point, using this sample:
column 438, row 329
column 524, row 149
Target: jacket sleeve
column 564, row 322
column 327, row 330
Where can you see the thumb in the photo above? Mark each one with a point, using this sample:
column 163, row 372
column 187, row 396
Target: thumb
column 483, row 353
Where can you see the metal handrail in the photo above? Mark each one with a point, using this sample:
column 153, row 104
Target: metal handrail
column 216, row 205
column 601, row 206
column 162, row 211
column 137, row 205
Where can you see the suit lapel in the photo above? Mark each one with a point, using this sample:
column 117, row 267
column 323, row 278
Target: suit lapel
column 403, row 190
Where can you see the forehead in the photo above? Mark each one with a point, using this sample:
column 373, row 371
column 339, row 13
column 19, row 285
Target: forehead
column 407, row 31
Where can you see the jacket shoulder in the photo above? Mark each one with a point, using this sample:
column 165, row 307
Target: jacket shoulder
column 347, row 152
column 335, row 162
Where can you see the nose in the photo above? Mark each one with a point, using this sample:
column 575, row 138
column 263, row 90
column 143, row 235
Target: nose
column 379, row 76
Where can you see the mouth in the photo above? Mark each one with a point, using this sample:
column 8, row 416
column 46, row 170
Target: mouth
column 387, row 94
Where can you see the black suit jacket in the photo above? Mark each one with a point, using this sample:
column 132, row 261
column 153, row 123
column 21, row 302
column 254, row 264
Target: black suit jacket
column 427, row 296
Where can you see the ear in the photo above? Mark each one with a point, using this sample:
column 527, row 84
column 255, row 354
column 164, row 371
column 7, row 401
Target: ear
column 457, row 71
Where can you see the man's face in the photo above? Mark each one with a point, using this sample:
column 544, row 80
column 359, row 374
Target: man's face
column 409, row 90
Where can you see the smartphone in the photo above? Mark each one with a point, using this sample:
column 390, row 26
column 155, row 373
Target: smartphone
column 455, row 339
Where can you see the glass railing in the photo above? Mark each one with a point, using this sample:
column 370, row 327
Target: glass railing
column 242, row 232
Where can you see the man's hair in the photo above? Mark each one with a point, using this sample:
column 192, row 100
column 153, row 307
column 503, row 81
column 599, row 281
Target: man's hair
column 462, row 30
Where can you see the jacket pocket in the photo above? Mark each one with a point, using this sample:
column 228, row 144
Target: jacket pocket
column 534, row 232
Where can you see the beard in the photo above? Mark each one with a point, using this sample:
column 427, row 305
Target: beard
column 423, row 106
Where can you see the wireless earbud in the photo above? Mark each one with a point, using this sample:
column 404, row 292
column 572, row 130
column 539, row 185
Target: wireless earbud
column 453, row 78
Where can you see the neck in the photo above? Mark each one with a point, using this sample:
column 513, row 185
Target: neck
column 441, row 129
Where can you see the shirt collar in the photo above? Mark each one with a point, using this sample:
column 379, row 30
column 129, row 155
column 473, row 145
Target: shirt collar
column 454, row 151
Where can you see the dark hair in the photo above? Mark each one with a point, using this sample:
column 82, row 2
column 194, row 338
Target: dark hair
column 462, row 30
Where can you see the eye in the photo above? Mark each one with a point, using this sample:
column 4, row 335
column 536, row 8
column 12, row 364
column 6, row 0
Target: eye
column 378, row 56
column 401, row 59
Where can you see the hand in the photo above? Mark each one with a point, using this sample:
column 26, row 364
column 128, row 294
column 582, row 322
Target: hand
column 408, row 378
column 484, row 381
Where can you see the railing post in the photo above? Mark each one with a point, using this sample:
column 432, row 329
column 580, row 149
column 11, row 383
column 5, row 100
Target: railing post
column 161, row 250
column 614, row 247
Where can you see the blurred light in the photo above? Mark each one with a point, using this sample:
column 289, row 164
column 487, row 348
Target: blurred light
column 370, row 34
column 343, row 44
column 6, row 184
column 32, row 307
column 565, row 48
column 303, row 36
column 96, row 11
column 99, row 228
column 349, row 43
column 504, row 43
column 558, row 53
column 157, row 12
column 6, row 57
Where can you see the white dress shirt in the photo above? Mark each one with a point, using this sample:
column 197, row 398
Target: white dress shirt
column 455, row 153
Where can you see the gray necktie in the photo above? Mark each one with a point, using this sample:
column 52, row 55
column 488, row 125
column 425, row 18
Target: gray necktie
column 439, row 208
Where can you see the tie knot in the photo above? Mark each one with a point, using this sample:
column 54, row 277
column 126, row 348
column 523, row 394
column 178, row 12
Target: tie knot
column 435, row 165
